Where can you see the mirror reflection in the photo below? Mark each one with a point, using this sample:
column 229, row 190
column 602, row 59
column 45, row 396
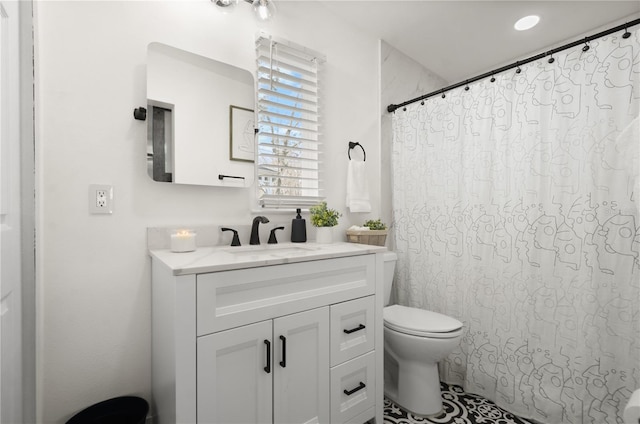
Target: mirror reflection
column 200, row 119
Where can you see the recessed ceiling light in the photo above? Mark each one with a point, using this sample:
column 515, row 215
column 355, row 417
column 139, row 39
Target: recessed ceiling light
column 527, row 22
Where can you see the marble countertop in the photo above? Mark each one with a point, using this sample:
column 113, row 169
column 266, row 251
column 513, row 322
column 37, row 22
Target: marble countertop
column 224, row 258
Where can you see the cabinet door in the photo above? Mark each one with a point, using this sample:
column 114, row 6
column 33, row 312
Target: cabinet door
column 235, row 374
column 301, row 361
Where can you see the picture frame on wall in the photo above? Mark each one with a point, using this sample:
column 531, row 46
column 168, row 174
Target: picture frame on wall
column 242, row 134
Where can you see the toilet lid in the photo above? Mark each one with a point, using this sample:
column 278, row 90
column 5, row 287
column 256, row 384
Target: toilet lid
column 420, row 322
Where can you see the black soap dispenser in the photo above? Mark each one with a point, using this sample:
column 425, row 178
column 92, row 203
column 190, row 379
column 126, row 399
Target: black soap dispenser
column 298, row 229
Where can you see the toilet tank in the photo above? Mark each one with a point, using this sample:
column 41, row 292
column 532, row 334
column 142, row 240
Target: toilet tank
column 390, row 259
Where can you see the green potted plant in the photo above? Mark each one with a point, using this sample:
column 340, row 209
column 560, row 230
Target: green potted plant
column 375, row 224
column 372, row 232
column 324, row 219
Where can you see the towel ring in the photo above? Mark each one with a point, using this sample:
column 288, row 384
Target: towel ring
column 353, row 145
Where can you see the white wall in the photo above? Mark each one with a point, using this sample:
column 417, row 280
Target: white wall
column 93, row 271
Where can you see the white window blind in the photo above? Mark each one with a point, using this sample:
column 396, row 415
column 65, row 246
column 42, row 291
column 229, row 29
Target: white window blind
column 289, row 143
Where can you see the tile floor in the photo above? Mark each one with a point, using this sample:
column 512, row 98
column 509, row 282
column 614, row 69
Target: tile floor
column 459, row 408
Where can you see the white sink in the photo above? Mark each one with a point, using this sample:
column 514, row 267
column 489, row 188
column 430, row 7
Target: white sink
column 280, row 251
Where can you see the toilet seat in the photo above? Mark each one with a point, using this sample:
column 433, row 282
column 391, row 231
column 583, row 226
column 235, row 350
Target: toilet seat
column 422, row 323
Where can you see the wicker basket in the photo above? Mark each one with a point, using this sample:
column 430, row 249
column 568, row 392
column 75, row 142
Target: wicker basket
column 374, row 237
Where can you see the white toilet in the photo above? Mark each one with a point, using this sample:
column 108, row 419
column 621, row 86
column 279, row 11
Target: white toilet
column 414, row 341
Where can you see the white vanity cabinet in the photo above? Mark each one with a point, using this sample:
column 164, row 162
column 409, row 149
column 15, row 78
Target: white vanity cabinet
column 292, row 341
column 278, row 367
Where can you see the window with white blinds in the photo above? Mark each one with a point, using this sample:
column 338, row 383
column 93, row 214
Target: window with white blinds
column 288, row 143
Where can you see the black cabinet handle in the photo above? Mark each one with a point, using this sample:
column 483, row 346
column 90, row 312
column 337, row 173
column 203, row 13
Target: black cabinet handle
column 352, row 391
column 353, row 330
column 283, row 363
column 267, row 369
column 222, row 177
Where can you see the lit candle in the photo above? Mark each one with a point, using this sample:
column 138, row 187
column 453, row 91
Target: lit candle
column 183, row 241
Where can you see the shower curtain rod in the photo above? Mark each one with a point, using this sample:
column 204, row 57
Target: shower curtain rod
column 392, row 107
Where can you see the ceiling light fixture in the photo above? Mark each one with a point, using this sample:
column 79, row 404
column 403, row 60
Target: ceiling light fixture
column 226, row 6
column 527, row 22
column 263, row 9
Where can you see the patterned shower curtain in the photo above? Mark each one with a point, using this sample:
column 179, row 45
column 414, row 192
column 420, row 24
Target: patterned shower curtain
column 516, row 211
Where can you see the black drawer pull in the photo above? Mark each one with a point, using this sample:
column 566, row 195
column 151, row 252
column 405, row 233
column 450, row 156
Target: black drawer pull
column 350, row 392
column 222, row 177
column 353, row 330
column 283, row 363
column 267, row 369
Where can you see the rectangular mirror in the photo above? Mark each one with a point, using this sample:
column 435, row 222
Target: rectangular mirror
column 200, row 119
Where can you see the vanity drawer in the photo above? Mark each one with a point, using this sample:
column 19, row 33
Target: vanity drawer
column 352, row 329
column 230, row 299
column 353, row 388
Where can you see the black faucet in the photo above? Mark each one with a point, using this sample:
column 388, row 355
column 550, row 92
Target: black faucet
column 236, row 240
column 255, row 236
column 272, row 236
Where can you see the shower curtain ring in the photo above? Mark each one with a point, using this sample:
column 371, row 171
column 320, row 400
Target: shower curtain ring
column 626, row 34
column 586, row 46
column 551, row 59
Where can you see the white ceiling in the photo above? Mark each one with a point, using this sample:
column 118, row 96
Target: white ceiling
column 458, row 40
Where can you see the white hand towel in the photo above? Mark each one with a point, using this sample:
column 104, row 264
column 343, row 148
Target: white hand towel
column 357, row 188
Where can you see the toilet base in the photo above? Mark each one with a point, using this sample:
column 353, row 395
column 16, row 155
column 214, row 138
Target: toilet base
column 417, row 390
column 415, row 414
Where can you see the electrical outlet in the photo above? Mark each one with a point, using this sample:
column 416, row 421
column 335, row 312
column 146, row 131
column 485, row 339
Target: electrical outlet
column 100, row 199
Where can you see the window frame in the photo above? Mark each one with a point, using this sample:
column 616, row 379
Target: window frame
column 288, row 165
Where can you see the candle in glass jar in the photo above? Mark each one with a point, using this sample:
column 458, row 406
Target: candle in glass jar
column 183, row 241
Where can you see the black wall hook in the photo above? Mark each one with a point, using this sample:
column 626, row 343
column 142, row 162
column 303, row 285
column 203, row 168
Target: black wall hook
column 353, row 145
column 140, row 114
